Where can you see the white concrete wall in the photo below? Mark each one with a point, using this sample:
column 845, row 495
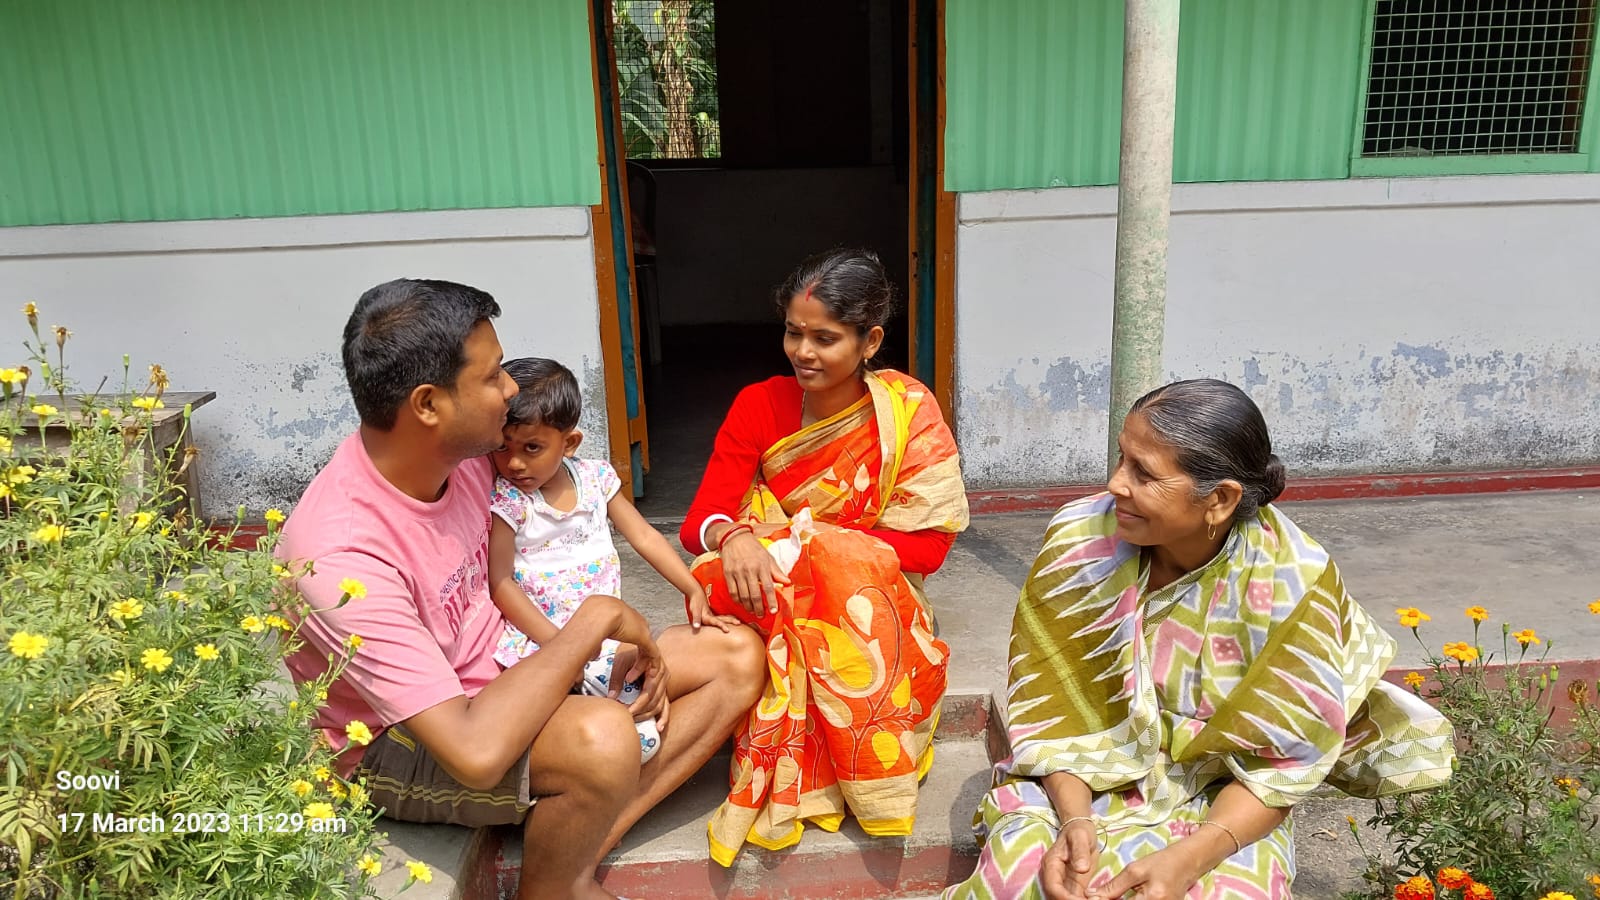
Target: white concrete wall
column 254, row 310
column 1383, row 325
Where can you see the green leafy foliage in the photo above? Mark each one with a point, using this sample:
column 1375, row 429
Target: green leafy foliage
column 1519, row 814
column 151, row 744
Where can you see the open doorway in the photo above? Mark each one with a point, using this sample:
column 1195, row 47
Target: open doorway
column 803, row 144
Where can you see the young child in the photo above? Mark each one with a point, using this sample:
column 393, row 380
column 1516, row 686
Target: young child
column 551, row 540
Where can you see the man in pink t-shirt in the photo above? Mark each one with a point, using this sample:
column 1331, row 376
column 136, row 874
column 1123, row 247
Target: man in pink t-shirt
column 402, row 509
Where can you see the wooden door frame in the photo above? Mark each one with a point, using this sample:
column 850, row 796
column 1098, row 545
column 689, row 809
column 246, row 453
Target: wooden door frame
column 941, row 378
column 622, row 431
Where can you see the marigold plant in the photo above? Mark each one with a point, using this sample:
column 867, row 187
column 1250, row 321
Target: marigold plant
column 1518, row 819
column 150, row 745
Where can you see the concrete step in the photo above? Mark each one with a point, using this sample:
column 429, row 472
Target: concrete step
column 665, row 855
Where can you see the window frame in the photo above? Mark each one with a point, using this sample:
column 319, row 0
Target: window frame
column 1472, row 163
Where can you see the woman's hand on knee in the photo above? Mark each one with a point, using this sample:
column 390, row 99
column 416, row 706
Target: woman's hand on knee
column 1166, row 874
column 752, row 574
column 1068, row 864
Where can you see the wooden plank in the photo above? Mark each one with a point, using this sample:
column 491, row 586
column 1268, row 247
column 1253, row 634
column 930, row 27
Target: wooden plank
column 617, row 424
column 944, row 278
column 913, row 243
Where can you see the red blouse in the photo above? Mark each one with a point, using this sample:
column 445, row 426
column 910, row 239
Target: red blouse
column 762, row 414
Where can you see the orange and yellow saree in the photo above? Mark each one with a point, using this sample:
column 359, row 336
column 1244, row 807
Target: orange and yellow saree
column 855, row 673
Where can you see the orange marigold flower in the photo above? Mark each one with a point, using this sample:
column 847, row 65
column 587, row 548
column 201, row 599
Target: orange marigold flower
column 1454, row 878
column 1460, row 651
column 1411, row 617
column 1595, row 608
column 1417, row 887
column 1477, row 613
column 1525, row 637
column 1478, row 891
column 1415, row 679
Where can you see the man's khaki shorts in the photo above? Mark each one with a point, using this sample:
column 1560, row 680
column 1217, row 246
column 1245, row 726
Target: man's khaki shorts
column 406, row 782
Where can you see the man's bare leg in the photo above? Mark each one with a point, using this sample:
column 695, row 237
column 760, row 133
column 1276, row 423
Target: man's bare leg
column 584, row 766
column 713, row 680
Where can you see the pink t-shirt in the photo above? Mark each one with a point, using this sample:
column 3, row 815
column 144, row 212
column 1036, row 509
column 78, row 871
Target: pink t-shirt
column 427, row 625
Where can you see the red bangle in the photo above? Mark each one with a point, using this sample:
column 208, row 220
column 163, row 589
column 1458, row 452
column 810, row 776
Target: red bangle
column 731, row 532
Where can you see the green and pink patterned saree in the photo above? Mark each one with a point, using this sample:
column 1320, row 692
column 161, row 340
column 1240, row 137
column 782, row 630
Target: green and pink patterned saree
column 1257, row 668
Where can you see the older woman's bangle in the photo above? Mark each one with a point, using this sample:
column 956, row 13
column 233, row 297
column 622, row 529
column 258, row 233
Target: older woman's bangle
column 1099, row 829
column 731, row 532
column 1229, row 832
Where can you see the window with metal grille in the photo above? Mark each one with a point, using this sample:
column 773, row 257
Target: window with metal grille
column 666, row 52
column 1453, row 78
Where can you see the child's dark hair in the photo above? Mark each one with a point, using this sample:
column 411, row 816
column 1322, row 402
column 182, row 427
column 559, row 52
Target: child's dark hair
column 850, row 283
column 547, row 394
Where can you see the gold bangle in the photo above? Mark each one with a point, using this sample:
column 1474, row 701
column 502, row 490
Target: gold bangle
column 1099, row 829
column 1229, row 832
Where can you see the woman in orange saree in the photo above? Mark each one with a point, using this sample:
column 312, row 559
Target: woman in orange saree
column 829, row 496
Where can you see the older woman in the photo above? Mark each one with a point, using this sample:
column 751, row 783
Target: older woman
column 1186, row 665
column 857, row 675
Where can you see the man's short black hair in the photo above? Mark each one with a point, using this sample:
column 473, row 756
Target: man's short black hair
column 405, row 333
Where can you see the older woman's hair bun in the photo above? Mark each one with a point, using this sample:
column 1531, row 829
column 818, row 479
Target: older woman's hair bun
column 1217, row 434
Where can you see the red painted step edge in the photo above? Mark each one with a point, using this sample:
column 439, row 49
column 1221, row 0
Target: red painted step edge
column 1337, row 487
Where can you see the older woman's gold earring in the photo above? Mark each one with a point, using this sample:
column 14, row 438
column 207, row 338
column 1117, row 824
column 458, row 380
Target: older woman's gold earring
column 1211, row 531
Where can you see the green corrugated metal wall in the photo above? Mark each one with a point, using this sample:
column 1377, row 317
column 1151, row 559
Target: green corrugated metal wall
column 1267, row 91
column 197, row 109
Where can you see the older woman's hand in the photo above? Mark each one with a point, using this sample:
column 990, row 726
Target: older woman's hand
column 1166, row 874
column 1064, row 873
column 752, row 574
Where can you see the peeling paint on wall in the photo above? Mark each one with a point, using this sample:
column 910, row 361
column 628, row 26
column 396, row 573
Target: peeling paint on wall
column 1450, row 334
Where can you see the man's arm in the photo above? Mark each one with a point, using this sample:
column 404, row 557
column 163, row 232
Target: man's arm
column 476, row 740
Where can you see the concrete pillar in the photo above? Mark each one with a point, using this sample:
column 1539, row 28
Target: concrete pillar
column 1144, row 203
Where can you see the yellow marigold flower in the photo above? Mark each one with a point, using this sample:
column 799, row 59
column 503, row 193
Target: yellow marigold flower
column 142, row 520
column 158, row 377
column 1461, row 651
column 27, row 645
column 337, row 790
column 1411, row 617
column 358, row 795
column 5, row 445
column 49, row 534
column 44, row 410
column 1527, row 636
column 369, row 866
column 1595, row 608
column 274, row 516
column 147, row 403
column 1477, row 613
column 5, row 490
column 322, row 773
column 30, row 310
column 155, row 659
column 20, row 474
column 122, row 677
column 354, row 589
column 319, row 810
column 1558, row 895
column 253, row 624
column 207, row 652
column 278, row 622
column 1570, row 785
column 354, row 641
column 1415, row 679
column 178, row 596
column 12, row 376
column 300, row 787
column 126, row 610
column 358, row 732
column 421, row 872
